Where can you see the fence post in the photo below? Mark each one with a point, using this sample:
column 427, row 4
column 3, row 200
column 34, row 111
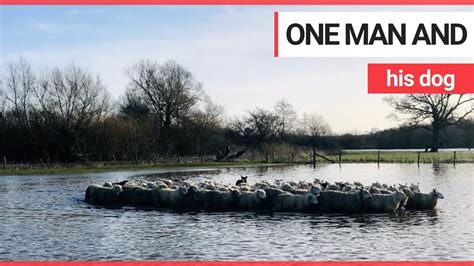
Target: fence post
column 418, row 160
column 378, row 157
column 5, row 162
column 454, row 159
column 340, row 156
column 314, row 157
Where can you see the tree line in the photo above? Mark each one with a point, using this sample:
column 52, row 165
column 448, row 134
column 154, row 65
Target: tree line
column 65, row 114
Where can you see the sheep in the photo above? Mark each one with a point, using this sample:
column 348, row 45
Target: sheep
column 252, row 200
column 316, row 189
column 214, row 200
column 384, row 202
column 348, row 188
column 338, row 201
column 303, row 185
column 169, row 198
column 415, row 188
column 287, row 187
column 423, row 201
column 409, row 194
column 333, row 187
column 270, row 196
column 287, row 202
column 374, row 190
column 139, row 196
column 377, row 185
column 385, row 191
column 100, row 195
column 242, row 180
column 161, row 185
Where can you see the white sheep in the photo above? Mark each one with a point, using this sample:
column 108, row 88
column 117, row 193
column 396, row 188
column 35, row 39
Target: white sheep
column 215, row 200
column 415, row 188
column 377, row 185
column 100, row 195
column 252, row 200
column 338, row 201
column 169, row 198
column 287, row 202
column 408, row 193
column 422, row 201
column 384, row 202
column 270, row 195
column 139, row 196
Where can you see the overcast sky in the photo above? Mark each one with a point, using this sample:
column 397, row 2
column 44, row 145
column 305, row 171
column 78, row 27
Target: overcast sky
column 229, row 49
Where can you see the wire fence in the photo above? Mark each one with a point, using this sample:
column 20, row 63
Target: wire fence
column 163, row 160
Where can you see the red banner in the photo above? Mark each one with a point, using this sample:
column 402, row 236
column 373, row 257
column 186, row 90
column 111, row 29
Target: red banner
column 421, row 78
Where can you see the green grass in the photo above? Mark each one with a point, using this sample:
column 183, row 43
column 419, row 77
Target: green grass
column 402, row 157
column 347, row 157
column 80, row 169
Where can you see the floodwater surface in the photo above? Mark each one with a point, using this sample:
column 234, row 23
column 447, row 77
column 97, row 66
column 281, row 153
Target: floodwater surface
column 45, row 218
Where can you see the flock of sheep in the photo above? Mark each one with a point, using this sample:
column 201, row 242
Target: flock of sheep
column 279, row 196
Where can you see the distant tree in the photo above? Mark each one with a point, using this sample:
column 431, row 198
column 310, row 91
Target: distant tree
column 432, row 112
column 467, row 126
column 72, row 98
column 170, row 90
column 68, row 103
column 314, row 125
column 286, row 116
column 259, row 127
column 17, row 90
column 134, row 106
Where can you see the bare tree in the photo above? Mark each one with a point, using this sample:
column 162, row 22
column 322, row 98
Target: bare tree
column 432, row 112
column 286, row 115
column 169, row 89
column 19, row 83
column 314, row 125
column 72, row 98
column 259, row 127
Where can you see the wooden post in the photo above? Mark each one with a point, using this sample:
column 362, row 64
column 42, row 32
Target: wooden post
column 378, row 157
column 113, row 156
column 5, row 162
column 314, row 157
column 418, row 160
column 340, row 156
column 454, row 159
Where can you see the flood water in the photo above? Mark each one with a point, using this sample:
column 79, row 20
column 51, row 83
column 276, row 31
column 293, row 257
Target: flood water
column 45, row 218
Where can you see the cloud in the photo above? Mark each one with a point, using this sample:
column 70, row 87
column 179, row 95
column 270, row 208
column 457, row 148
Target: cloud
column 47, row 27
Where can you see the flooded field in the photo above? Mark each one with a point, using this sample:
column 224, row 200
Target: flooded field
column 45, row 218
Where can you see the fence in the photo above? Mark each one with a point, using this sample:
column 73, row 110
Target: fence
column 162, row 160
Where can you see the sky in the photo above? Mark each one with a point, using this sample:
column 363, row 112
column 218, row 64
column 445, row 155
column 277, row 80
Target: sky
column 229, row 49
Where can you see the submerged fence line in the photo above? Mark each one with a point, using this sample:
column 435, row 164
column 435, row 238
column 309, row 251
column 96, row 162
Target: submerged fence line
column 309, row 156
column 163, row 160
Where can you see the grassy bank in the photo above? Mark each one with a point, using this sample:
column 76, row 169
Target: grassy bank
column 402, row 157
column 344, row 157
column 81, row 169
